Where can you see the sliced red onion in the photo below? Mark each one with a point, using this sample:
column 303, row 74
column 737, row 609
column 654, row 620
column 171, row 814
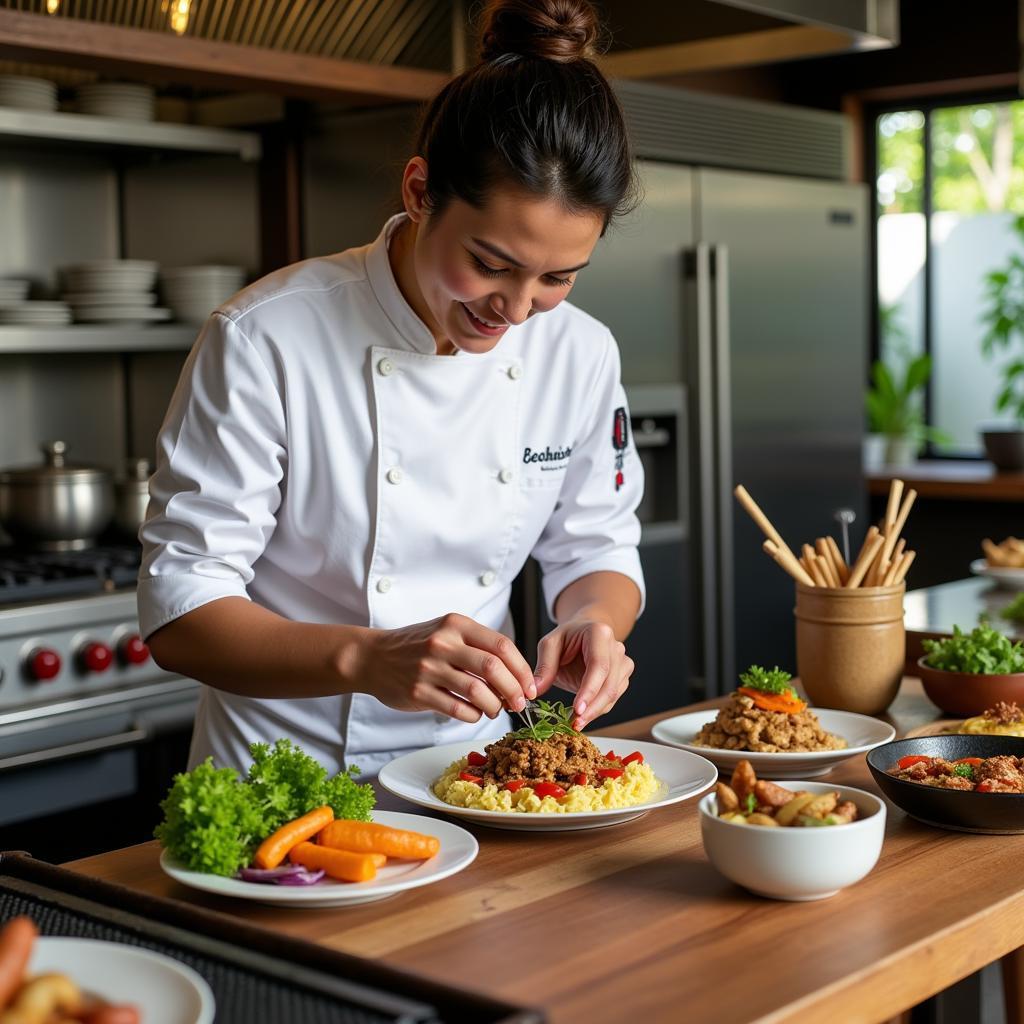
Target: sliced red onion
column 286, row 874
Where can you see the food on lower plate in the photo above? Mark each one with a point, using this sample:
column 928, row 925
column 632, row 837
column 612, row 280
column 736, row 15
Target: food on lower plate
column 1007, row 554
column 50, row 998
column 547, row 768
column 766, row 715
column 1001, row 774
column 748, row 800
column 220, row 823
column 984, row 651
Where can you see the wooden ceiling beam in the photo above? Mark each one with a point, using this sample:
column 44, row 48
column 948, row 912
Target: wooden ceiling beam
column 744, row 49
column 162, row 56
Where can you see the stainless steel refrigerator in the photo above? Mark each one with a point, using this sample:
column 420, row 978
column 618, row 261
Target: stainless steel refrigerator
column 739, row 301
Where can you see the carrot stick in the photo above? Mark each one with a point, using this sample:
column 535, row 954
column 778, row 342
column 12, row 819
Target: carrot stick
column 367, row 837
column 273, row 850
column 340, row 864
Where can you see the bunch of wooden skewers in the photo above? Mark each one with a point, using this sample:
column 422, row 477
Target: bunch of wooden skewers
column 881, row 562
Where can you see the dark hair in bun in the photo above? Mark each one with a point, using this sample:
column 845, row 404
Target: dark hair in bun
column 535, row 112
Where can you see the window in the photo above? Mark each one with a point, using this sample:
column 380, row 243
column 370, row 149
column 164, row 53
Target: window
column 949, row 186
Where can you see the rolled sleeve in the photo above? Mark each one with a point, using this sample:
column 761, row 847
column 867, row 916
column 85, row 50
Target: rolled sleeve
column 221, row 456
column 594, row 527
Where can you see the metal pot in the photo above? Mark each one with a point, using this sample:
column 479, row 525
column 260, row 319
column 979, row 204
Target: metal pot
column 57, row 506
column 131, row 497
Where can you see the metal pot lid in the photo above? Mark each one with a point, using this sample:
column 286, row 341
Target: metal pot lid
column 55, row 467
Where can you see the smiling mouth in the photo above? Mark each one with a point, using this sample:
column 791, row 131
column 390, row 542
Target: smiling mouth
column 485, row 324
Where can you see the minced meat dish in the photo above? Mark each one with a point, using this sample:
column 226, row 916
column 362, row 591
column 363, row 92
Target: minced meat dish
column 561, row 758
column 1002, row 774
column 741, row 725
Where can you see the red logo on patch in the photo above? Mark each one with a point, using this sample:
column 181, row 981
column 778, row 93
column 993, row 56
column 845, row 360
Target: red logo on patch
column 620, row 438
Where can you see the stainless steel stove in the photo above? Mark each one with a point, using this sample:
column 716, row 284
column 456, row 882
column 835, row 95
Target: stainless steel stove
column 87, row 718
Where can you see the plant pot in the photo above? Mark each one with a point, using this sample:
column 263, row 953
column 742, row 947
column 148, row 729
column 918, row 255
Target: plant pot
column 901, row 451
column 967, row 694
column 873, row 452
column 1004, row 447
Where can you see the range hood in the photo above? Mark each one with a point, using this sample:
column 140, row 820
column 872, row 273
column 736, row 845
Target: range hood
column 706, row 35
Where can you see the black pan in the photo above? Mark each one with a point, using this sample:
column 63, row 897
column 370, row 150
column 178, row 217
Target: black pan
column 963, row 811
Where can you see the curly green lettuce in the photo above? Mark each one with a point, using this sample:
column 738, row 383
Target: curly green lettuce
column 983, row 651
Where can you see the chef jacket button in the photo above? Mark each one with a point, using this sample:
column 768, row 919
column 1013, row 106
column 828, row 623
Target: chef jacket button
column 515, row 371
column 505, row 476
column 487, row 578
column 394, row 476
column 383, row 584
column 385, row 366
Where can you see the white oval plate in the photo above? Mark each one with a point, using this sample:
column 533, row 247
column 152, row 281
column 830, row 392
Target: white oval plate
column 861, row 732
column 683, row 776
column 164, row 990
column 458, row 851
column 1005, row 576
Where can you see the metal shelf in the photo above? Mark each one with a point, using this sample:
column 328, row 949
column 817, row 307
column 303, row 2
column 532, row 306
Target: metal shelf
column 97, row 338
column 115, row 132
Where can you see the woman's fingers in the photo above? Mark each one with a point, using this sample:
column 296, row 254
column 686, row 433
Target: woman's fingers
column 477, row 691
column 428, row 697
column 601, row 652
column 495, row 658
column 549, row 661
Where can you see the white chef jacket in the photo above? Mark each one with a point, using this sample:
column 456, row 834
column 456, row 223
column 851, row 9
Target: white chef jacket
column 319, row 458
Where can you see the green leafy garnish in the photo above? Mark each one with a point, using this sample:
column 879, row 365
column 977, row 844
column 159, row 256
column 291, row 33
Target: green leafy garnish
column 549, row 717
column 774, row 680
column 966, row 770
column 749, row 804
column 214, row 818
column 984, row 651
column 1014, row 611
column 807, row 821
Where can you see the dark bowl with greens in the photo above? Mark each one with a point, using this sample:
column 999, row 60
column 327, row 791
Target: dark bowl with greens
column 967, row 673
column 960, row 810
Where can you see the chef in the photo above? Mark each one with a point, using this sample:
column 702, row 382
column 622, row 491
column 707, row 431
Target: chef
column 363, row 449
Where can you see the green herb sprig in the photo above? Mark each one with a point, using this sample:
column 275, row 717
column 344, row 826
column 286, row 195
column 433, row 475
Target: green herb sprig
column 549, row 717
column 983, row 652
column 775, row 680
column 1014, row 611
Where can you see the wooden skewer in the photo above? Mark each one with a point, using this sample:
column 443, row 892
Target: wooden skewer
column 755, row 513
column 864, row 559
column 905, row 563
column 827, row 569
column 817, row 572
column 901, row 520
column 788, row 562
column 893, row 507
column 825, row 554
column 837, row 558
column 876, row 573
column 897, row 552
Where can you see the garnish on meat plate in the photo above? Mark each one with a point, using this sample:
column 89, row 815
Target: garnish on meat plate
column 547, row 767
column 766, row 715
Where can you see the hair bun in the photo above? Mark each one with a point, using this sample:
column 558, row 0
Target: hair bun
column 558, row 30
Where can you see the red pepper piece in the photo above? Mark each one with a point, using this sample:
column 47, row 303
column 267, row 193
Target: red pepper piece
column 580, row 780
column 912, row 759
column 476, row 759
column 543, row 789
column 514, row 786
column 985, row 786
column 610, row 773
column 969, row 760
column 635, row 756
column 468, row 777
column 611, row 756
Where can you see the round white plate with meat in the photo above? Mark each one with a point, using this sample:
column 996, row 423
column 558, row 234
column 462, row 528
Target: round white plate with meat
column 682, row 775
column 861, row 732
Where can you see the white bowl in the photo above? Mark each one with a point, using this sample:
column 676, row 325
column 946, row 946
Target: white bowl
column 796, row 863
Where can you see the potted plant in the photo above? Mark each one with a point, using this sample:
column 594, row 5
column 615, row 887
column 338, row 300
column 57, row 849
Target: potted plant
column 895, row 411
column 1004, row 322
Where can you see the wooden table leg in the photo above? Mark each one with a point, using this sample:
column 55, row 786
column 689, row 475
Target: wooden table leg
column 1012, row 966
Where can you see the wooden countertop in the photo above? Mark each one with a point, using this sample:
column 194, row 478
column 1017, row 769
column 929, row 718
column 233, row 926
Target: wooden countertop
column 964, row 480
column 632, row 921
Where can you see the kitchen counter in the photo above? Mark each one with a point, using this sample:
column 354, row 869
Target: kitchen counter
column 965, row 480
column 632, row 921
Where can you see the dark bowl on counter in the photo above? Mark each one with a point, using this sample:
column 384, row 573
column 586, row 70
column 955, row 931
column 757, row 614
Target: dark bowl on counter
column 957, row 809
column 967, row 693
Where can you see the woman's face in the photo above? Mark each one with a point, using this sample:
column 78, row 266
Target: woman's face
column 477, row 271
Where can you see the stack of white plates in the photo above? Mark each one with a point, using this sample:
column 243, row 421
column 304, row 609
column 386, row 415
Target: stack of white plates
column 195, row 292
column 113, row 291
column 117, row 99
column 12, row 291
column 36, row 314
column 27, row 93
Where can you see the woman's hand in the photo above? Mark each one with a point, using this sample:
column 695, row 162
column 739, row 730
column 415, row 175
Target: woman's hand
column 451, row 664
column 583, row 656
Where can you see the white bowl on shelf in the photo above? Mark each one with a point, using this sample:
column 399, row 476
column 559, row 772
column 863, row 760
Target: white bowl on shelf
column 791, row 863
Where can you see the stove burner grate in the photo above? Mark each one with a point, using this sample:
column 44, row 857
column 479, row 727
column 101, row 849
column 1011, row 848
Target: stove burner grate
column 43, row 575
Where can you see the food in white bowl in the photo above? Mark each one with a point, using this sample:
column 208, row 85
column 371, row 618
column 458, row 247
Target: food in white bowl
column 796, row 863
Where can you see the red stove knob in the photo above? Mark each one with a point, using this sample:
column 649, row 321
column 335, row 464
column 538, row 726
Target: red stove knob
column 96, row 657
column 43, row 664
column 133, row 650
